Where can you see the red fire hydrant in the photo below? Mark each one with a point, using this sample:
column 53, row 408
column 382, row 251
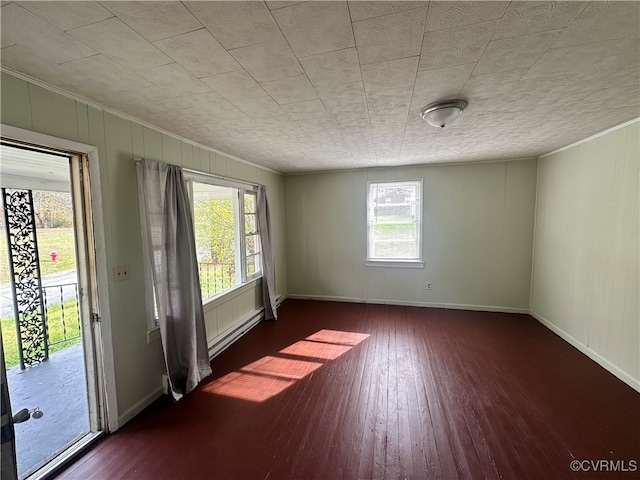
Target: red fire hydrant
column 54, row 255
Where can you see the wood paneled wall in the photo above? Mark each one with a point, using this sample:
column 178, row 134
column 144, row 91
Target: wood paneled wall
column 586, row 267
column 138, row 361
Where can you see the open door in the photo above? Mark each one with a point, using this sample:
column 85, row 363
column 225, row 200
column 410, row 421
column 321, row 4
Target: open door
column 8, row 463
column 49, row 306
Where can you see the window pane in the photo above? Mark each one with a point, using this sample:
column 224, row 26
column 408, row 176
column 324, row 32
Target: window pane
column 250, row 203
column 394, row 218
column 216, row 278
column 249, row 223
column 215, row 240
column 394, row 241
column 253, row 264
column 253, row 244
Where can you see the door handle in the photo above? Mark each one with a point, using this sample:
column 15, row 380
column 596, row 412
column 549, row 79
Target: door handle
column 25, row 414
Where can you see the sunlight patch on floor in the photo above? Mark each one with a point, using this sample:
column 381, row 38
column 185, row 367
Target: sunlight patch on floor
column 272, row 374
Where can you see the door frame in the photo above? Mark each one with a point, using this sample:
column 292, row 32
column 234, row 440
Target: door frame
column 102, row 334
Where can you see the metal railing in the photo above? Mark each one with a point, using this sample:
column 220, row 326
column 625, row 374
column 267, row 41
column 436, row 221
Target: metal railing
column 62, row 301
column 216, row 278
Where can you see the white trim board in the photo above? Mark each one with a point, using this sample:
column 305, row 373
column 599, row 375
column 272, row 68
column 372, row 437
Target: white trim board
column 375, row 301
column 603, row 362
column 139, row 406
column 592, row 137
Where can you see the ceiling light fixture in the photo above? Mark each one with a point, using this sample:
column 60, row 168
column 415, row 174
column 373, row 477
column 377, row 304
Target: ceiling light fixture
column 440, row 114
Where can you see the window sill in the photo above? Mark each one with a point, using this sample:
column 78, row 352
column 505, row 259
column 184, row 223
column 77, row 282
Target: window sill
column 395, row 263
column 153, row 333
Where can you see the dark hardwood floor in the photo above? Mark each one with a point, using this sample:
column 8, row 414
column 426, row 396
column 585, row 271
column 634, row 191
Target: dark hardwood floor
column 339, row 390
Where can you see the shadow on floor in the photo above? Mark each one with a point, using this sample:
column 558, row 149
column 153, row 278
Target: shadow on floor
column 58, row 388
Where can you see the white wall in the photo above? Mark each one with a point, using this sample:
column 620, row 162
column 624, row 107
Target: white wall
column 477, row 236
column 586, row 268
column 138, row 362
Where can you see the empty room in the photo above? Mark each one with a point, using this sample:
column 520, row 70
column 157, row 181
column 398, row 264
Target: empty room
column 320, row 240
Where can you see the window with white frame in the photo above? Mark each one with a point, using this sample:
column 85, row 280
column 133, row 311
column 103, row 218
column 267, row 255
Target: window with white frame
column 227, row 238
column 394, row 222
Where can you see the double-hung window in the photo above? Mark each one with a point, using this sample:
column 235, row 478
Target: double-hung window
column 394, row 212
column 227, row 237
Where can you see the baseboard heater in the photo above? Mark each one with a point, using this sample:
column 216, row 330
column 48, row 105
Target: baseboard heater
column 227, row 339
column 223, row 342
column 247, row 324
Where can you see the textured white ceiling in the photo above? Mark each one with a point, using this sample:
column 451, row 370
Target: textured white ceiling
column 307, row 86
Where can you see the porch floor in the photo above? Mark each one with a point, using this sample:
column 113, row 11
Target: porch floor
column 58, row 388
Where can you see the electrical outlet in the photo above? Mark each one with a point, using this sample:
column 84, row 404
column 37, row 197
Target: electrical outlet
column 121, row 273
column 428, row 285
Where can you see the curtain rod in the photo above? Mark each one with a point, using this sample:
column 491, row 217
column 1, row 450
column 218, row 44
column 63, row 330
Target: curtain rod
column 206, row 174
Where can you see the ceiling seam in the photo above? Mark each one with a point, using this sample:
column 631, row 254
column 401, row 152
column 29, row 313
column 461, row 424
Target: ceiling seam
column 415, row 78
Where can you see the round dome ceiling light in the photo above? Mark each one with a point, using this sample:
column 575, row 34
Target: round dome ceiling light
column 442, row 113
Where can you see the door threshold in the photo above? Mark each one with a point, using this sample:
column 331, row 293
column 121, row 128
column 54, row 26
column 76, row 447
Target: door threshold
column 61, row 461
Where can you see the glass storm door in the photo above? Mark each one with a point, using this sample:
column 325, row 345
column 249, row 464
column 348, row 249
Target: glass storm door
column 47, row 293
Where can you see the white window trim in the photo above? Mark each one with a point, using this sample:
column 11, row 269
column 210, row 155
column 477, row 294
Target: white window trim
column 394, row 262
column 217, row 180
column 239, row 225
column 244, row 234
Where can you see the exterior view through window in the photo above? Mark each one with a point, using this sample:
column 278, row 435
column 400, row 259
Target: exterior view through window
column 393, row 217
column 227, row 240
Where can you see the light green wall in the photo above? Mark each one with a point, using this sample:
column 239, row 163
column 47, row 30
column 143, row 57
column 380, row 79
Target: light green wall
column 586, row 266
column 138, row 364
column 477, row 236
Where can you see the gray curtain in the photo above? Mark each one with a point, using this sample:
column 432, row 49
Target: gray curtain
column 168, row 230
column 268, row 263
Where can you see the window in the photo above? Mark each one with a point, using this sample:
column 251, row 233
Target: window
column 394, row 226
column 227, row 239
column 251, row 238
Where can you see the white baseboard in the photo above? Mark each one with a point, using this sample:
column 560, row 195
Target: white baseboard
column 139, row 407
column 452, row 306
column 606, row 364
column 326, row 298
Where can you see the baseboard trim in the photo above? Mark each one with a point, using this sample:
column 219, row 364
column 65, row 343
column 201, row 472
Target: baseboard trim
column 139, row 407
column 452, row 306
column 600, row 360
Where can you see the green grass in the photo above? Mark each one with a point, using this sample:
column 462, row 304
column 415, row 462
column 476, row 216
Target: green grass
column 394, row 218
column 59, row 239
column 62, row 241
column 56, row 330
column 391, row 231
